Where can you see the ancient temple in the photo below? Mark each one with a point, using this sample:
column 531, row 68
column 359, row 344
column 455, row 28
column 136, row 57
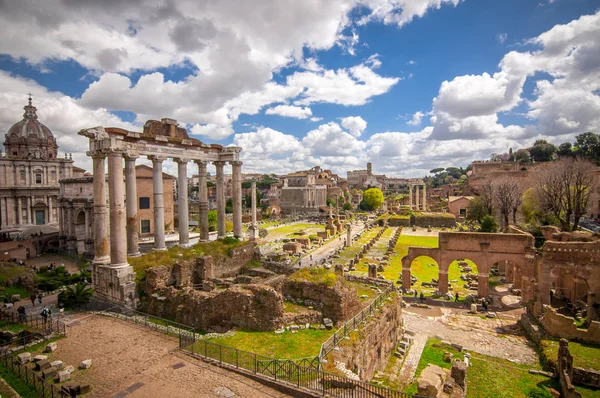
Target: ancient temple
column 29, row 175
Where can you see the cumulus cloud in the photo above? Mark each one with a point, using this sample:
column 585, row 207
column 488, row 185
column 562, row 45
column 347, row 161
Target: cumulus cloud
column 401, row 12
column 354, row 124
column 290, row 111
column 416, row 119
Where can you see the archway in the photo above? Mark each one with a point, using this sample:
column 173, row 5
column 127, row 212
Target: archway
column 463, row 275
column 426, row 271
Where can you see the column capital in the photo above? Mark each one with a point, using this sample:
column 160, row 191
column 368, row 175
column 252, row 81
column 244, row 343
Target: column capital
column 201, row 162
column 220, row 163
column 181, row 160
column 236, row 162
column 157, row 159
column 96, row 155
column 130, row 156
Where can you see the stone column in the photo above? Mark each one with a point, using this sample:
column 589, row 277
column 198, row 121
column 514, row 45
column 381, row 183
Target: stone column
column 424, row 197
column 87, row 223
column 19, row 211
column 483, row 288
column 203, row 199
column 101, row 245
column 159, row 207
column 253, row 230
column 50, row 218
column 184, row 219
column 406, row 277
column 417, row 207
column 46, row 215
column 220, row 200
column 70, row 221
column 348, row 234
column 237, row 199
column 591, row 312
column 410, row 194
column 443, row 281
column 116, row 203
column 518, row 277
column 131, row 203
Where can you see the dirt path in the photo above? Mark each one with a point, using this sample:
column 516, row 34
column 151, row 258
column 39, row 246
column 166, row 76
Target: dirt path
column 323, row 252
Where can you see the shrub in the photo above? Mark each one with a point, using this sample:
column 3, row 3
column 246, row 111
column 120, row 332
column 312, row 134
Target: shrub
column 319, row 276
column 262, row 232
column 538, row 392
column 78, row 294
column 228, row 240
column 347, row 206
column 489, row 224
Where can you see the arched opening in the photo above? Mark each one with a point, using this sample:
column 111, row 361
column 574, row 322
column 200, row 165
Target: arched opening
column 463, row 277
column 80, row 225
column 506, row 281
column 424, row 272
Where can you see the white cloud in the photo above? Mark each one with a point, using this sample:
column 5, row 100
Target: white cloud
column 331, row 140
column 501, row 37
column 401, row 12
column 416, row 119
column 290, row 111
column 354, row 124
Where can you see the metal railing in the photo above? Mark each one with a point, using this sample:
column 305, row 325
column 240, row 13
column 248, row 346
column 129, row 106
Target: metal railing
column 300, row 374
column 46, row 325
column 332, row 342
column 43, row 387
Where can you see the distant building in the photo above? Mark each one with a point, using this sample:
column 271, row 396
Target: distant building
column 457, row 205
column 29, row 175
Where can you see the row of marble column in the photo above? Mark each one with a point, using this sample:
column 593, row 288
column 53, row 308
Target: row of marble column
column 5, row 221
column 417, row 205
column 124, row 223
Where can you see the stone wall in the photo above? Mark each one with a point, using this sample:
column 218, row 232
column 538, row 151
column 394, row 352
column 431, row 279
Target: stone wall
column 586, row 377
column 338, row 302
column 253, row 307
column 435, row 220
column 558, row 325
column 370, row 347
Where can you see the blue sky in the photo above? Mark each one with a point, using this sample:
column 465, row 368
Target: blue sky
column 410, row 85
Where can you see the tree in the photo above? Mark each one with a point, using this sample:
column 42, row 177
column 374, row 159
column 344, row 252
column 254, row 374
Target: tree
column 565, row 149
column 331, row 202
column 212, row 220
column 507, row 197
column 438, row 170
column 563, row 189
column 78, row 294
column 373, row 198
column 248, row 198
column 486, row 194
column 588, row 145
column 476, row 209
column 489, row 224
column 347, row 206
column 523, row 156
column 542, row 151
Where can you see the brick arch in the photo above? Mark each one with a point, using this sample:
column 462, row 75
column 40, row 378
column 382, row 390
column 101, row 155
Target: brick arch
column 413, row 253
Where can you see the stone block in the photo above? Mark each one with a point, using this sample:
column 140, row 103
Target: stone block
column 38, row 358
column 85, row 388
column 431, row 381
column 24, row 357
column 459, row 373
column 71, row 388
column 279, row 331
column 63, row 376
column 15, row 297
column 49, row 373
column 458, row 347
column 42, row 365
column 473, row 308
column 448, row 357
column 57, row 364
column 85, row 364
column 70, row 368
column 51, row 347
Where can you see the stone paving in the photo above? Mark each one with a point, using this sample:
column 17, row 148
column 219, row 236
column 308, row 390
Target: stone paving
column 411, row 361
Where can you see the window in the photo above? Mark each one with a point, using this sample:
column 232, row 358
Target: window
column 22, row 173
column 144, row 202
column 145, row 226
column 38, row 178
column 462, row 212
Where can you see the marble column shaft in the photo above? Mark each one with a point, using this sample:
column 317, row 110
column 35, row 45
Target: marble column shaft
column 220, row 200
column 131, row 206
column 116, row 202
column 19, row 211
column 417, row 207
column 410, row 194
column 253, row 230
column 203, row 199
column 237, row 199
column 87, row 223
column 184, row 220
column 50, row 219
column 159, row 206
column 424, row 198
column 101, row 246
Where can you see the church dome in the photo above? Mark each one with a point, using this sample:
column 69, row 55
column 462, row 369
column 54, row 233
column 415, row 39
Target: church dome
column 29, row 138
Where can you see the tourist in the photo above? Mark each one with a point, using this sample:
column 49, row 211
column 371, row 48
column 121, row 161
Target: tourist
column 22, row 314
column 416, row 293
column 61, row 309
column 422, row 297
column 456, row 298
column 32, row 297
column 40, row 296
column 45, row 314
column 484, row 304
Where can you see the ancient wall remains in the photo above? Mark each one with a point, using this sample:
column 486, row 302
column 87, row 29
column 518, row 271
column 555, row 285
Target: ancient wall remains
column 586, row 377
column 558, row 325
column 370, row 347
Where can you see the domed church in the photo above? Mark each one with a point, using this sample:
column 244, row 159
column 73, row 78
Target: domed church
column 30, row 171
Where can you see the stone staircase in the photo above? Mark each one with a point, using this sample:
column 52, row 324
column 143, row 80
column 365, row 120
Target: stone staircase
column 404, row 345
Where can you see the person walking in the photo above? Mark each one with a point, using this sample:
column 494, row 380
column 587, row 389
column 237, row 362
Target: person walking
column 32, row 297
column 45, row 314
column 40, row 296
column 22, row 314
column 416, row 293
column 422, row 297
column 456, row 298
column 61, row 309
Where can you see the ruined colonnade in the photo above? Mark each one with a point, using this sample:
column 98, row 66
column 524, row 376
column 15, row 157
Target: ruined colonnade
column 418, row 204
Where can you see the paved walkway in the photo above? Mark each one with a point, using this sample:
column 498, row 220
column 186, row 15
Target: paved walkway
column 411, row 361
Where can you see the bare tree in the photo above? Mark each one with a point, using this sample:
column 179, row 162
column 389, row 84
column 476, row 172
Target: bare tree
column 564, row 189
column 507, row 198
column 486, row 194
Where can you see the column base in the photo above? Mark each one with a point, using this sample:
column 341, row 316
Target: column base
column 221, row 236
column 185, row 245
column 104, row 260
column 137, row 254
column 159, row 249
column 115, row 282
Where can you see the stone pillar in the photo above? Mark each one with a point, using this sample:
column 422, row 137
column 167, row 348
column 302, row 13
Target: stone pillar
column 417, row 207
column 184, row 220
column 101, row 245
column 159, row 206
column 406, row 277
column 410, row 194
column 348, row 234
column 237, row 199
column 424, row 197
column 443, row 281
column 29, row 211
column 592, row 313
column 50, row 215
column 131, row 203
column 87, row 224
column 70, row 220
column 253, row 230
column 116, row 203
column 203, row 198
column 518, row 278
column 483, row 287
column 19, row 211
column 220, row 200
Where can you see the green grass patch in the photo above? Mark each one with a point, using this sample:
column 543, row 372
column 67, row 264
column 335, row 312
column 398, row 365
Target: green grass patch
column 39, row 347
column 304, row 344
column 8, row 291
column 316, row 275
column 362, row 290
column 349, row 253
column 11, row 327
column 293, row 308
column 584, row 355
column 8, row 272
column 17, row 384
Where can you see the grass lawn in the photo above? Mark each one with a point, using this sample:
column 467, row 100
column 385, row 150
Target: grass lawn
column 17, row 384
column 288, row 231
column 348, row 253
column 11, row 327
column 584, row 355
column 420, row 266
column 304, row 344
column 488, row 377
column 8, row 291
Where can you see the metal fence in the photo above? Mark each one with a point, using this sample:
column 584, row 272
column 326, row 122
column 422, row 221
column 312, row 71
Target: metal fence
column 44, row 388
column 297, row 373
column 353, row 323
column 46, row 325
